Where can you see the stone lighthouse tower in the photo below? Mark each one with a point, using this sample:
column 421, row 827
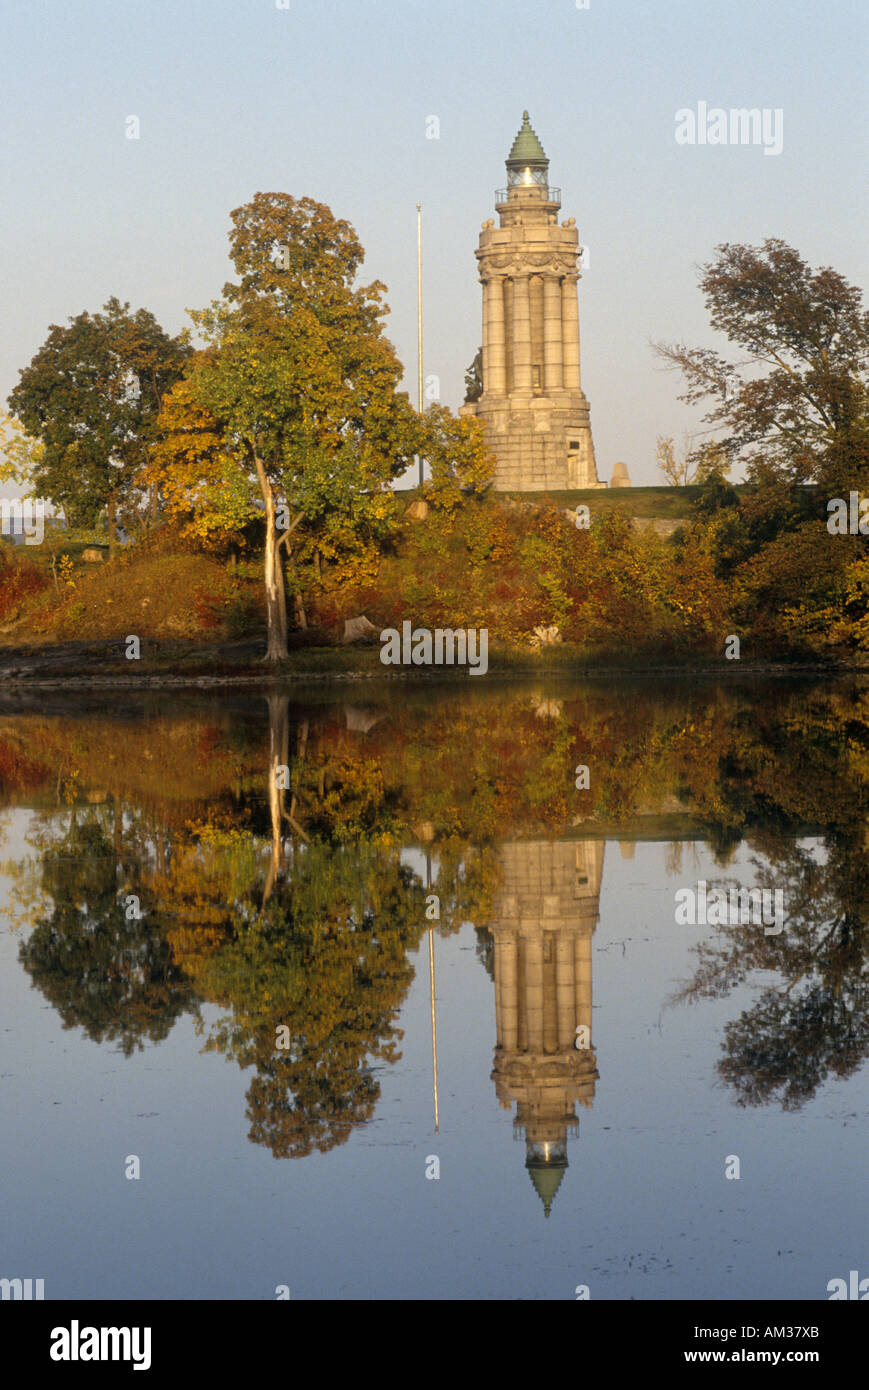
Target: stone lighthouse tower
column 528, row 391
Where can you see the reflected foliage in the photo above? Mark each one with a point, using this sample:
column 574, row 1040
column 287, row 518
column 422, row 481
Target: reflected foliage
column 294, row 903
column 813, row 1020
column 107, row 973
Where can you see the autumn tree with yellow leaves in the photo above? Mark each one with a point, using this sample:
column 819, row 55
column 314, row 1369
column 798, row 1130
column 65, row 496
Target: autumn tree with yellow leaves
column 301, row 384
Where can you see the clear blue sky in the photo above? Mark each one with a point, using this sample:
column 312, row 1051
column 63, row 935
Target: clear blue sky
column 329, row 98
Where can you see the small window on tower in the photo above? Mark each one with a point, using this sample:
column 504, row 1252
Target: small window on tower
column 536, row 378
column 574, row 443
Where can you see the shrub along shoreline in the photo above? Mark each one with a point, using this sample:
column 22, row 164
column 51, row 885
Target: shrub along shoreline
column 611, row 597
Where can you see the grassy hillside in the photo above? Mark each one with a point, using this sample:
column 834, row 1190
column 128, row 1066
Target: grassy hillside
column 668, row 503
column 150, row 592
column 523, row 573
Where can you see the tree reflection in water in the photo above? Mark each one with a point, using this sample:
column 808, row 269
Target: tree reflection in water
column 296, row 909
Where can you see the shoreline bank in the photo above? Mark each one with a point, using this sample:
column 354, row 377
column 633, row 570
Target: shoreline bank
column 95, row 665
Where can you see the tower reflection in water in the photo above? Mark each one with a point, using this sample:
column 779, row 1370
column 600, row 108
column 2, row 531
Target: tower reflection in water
column 546, row 913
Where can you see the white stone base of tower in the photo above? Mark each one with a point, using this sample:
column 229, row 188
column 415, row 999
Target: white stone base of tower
column 541, row 445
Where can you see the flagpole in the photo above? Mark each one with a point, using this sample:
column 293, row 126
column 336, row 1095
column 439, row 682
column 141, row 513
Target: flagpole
column 419, row 320
column 431, row 974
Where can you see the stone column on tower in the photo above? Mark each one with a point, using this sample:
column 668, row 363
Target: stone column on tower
column 570, row 332
column 535, row 289
column 533, row 953
column 567, row 1019
column 486, row 318
column 505, row 971
column 582, row 978
column 495, row 379
column 550, row 995
column 521, row 334
column 552, row 334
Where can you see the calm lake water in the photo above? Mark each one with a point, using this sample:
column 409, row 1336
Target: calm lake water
column 379, row 1003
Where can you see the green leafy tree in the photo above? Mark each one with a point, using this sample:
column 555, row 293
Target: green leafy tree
column 302, row 382
column 19, row 452
column 795, row 407
column 803, row 335
column 91, row 396
column 199, row 485
column 461, row 462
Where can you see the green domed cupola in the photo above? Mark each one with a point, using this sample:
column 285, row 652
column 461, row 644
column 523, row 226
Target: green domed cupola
column 527, row 162
column 546, row 1164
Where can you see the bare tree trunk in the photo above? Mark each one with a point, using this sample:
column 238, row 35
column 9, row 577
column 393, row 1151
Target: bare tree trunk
column 301, row 752
column 111, row 518
column 281, row 590
column 301, row 615
column 279, row 742
column 276, row 599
